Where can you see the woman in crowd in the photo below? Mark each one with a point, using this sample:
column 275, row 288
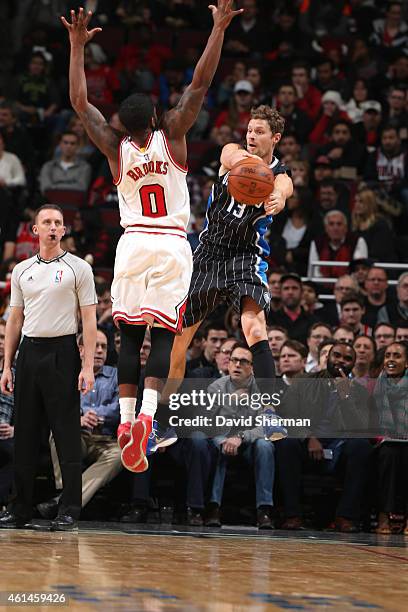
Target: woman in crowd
column 359, row 95
column 365, row 356
column 370, row 225
column 391, row 397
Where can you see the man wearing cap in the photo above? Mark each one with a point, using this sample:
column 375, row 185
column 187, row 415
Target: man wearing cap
column 292, row 315
column 332, row 104
column 368, row 130
column 242, row 103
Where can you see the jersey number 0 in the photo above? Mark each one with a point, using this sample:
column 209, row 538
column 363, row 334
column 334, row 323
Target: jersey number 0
column 153, row 201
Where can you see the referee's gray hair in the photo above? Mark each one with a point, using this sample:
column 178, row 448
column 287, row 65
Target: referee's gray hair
column 331, row 213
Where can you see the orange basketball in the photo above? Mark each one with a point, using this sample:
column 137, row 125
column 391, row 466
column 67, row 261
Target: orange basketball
column 250, row 181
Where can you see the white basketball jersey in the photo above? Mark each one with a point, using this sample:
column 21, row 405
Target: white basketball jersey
column 152, row 187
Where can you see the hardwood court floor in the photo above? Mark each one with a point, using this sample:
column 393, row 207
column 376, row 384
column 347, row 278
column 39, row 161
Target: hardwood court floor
column 206, row 571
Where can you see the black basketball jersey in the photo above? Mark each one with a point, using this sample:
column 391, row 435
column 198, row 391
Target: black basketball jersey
column 231, row 227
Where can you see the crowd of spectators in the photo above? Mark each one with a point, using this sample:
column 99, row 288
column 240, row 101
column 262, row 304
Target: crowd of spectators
column 338, row 74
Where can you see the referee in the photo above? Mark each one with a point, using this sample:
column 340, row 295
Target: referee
column 46, row 292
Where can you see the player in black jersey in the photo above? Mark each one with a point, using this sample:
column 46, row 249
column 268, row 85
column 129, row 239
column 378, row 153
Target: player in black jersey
column 229, row 262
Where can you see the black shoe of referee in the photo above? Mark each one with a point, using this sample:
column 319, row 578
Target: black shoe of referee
column 64, row 522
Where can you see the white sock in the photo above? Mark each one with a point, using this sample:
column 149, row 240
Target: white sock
column 150, row 400
column 127, row 407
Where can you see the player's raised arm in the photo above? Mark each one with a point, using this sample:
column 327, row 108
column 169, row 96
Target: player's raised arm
column 179, row 120
column 100, row 132
column 231, row 154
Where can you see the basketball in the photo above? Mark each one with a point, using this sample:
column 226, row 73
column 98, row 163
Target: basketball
column 250, row 181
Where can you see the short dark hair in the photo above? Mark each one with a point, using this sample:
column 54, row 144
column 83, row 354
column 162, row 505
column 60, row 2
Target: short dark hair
column 241, row 345
column 209, row 326
column 341, row 122
column 381, row 323
column 277, row 328
column 274, row 119
column 389, row 128
column 295, row 346
column 353, row 297
column 69, row 133
column 136, row 113
column 318, row 324
column 48, row 207
column 102, row 288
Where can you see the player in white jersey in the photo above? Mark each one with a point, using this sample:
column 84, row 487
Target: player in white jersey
column 153, row 261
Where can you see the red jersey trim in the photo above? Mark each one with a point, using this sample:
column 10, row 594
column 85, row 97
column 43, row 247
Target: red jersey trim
column 157, row 234
column 173, row 161
column 145, row 145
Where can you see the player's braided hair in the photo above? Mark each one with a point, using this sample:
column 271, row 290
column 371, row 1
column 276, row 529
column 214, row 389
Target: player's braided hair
column 271, row 115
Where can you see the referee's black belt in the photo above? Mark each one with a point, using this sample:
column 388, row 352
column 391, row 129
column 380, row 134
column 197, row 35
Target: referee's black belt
column 49, row 340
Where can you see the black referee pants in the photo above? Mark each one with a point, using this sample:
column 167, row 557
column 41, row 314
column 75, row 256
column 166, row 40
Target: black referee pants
column 46, row 389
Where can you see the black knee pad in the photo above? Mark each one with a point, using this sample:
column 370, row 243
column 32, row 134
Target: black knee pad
column 131, row 340
column 158, row 364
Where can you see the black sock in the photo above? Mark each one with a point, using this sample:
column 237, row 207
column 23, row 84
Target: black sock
column 264, row 366
column 162, row 415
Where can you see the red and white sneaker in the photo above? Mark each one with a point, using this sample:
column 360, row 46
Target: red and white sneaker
column 124, row 434
column 134, row 453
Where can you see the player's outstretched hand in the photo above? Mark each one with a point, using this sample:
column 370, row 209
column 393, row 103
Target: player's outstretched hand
column 275, row 204
column 223, row 13
column 78, row 28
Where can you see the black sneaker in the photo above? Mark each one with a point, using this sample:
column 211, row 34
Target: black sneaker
column 263, row 518
column 9, row 520
column 137, row 514
column 64, row 522
column 195, row 517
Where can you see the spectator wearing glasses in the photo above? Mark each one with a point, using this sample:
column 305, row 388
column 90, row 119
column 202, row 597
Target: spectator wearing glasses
column 330, row 313
column 222, row 358
column 396, row 313
column 277, row 336
column 317, row 333
column 384, row 334
column 249, row 443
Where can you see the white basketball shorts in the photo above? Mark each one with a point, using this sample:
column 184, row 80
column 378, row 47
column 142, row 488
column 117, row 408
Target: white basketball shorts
column 152, row 276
